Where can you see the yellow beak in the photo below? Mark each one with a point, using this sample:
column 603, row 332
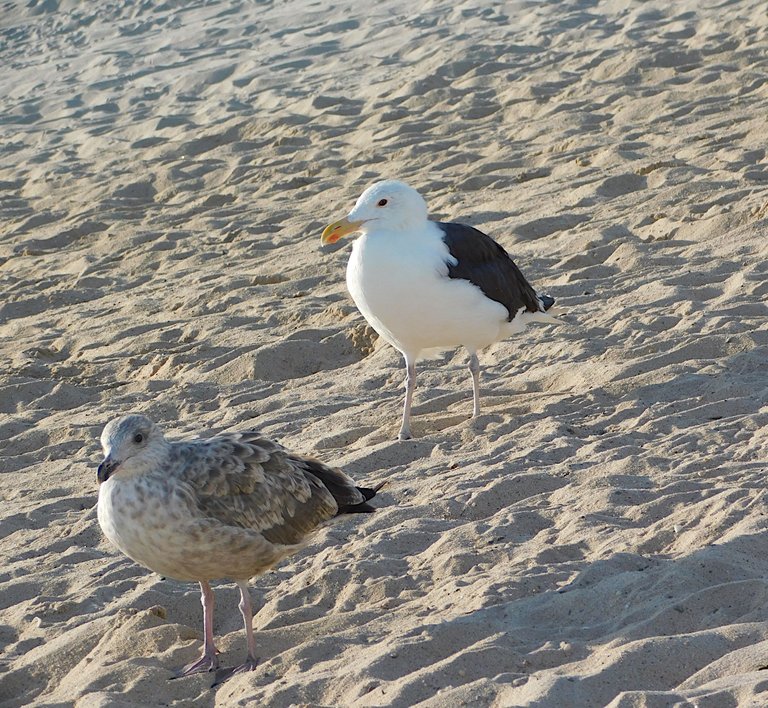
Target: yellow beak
column 333, row 232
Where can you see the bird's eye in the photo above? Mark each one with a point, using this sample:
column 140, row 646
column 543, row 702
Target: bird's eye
column 138, row 438
column 382, row 202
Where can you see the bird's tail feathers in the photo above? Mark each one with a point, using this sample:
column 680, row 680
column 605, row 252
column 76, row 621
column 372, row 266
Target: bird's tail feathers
column 547, row 310
column 363, row 508
column 546, row 301
column 547, row 317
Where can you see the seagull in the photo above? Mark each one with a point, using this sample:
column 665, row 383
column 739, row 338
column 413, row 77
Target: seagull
column 426, row 285
column 230, row 506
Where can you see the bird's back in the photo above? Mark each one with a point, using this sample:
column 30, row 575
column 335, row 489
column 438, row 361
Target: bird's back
column 485, row 263
column 247, row 481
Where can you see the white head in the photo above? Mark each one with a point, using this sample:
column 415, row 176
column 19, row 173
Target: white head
column 388, row 206
column 132, row 445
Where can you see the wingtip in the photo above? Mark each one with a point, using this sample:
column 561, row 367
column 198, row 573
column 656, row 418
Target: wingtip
column 370, row 492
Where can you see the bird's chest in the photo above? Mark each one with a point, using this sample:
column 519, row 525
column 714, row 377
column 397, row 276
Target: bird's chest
column 142, row 521
column 387, row 275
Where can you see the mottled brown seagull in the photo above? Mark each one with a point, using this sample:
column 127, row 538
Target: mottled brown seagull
column 426, row 285
column 230, row 506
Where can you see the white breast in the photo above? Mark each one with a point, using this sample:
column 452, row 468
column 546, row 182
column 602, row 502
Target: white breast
column 399, row 282
column 146, row 523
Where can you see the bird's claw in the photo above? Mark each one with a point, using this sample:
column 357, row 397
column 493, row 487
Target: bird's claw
column 223, row 675
column 206, row 663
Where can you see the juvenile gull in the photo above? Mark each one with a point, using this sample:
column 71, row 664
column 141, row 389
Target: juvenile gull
column 429, row 285
column 231, row 506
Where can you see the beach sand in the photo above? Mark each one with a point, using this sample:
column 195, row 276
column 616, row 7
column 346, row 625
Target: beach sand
column 596, row 537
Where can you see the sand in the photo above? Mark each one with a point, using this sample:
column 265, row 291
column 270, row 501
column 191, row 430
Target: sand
column 597, row 537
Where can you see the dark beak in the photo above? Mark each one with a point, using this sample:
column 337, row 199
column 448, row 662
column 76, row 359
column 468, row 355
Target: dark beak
column 106, row 469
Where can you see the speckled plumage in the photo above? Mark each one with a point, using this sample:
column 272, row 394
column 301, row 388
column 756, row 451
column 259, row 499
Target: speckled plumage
column 231, row 506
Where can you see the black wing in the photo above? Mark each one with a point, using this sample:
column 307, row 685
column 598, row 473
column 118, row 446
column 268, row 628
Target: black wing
column 483, row 262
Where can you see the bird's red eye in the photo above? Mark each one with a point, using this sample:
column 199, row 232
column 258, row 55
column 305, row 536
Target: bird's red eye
column 382, row 202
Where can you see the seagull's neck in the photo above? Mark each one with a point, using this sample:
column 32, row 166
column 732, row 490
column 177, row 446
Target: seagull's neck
column 424, row 236
column 410, row 232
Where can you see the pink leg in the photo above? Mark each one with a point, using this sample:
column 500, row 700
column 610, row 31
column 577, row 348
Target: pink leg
column 251, row 660
column 208, row 661
column 474, row 368
column 246, row 610
column 410, row 386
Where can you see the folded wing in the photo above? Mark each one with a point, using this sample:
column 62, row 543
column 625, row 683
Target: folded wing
column 483, row 262
column 247, row 481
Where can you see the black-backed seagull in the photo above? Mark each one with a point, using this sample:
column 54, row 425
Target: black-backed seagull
column 425, row 285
